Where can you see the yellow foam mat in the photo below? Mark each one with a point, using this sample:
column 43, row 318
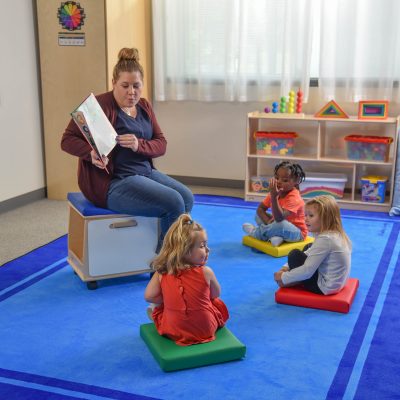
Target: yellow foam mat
column 279, row 251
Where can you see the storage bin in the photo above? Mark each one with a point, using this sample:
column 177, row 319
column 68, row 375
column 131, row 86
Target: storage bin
column 275, row 143
column 103, row 244
column 317, row 183
column 260, row 184
column 373, row 188
column 373, row 148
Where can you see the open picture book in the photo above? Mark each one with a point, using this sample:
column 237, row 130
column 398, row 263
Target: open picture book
column 95, row 126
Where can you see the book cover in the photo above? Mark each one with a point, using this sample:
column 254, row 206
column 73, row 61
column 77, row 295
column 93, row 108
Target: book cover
column 95, row 126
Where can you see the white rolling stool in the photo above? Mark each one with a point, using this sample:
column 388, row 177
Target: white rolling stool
column 103, row 244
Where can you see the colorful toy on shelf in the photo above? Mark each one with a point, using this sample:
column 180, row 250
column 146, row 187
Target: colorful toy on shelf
column 371, row 148
column 331, row 110
column 291, row 105
column 275, row 143
column 292, row 95
column 299, row 102
column 373, row 188
column 373, row 109
column 260, row 184
column 282, row 106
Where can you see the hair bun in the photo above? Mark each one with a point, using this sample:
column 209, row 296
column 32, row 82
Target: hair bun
column 128, row 54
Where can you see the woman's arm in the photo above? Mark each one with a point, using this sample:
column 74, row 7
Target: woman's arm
column 215, row 288
column 153, row 292
column 157, row 146
column 74, row 143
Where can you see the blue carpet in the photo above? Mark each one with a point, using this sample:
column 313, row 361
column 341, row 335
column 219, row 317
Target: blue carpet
column 62, row 341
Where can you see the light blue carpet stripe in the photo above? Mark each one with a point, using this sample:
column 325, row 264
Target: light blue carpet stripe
column 33, row 276
column 51, row 389
column 344, row 371
column 369, row 335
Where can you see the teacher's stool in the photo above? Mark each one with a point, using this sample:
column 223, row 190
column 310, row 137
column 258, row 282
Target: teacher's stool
column 104, row 244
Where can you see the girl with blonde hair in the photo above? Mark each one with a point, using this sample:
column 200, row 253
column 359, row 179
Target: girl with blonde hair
column 324, row 267
column 185, row 291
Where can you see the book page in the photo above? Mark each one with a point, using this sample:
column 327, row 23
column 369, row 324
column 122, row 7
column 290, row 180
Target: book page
column 100, row 128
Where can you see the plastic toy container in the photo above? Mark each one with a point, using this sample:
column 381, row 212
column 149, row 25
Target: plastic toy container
column 318, row 183
column 373, row 188
column 373, row 148
column 260, row 184
column 275, row 143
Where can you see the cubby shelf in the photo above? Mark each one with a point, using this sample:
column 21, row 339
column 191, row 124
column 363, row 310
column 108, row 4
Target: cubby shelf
column 320, row 147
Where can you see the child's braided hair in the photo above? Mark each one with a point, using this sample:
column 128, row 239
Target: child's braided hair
column 295, row 170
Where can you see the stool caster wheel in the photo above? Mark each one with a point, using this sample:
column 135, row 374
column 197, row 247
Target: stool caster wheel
column 92, row 285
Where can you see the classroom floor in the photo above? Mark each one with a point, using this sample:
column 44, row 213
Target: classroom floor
column 38, row 223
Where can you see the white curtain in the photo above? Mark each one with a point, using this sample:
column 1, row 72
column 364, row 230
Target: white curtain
column 231, row 50
column 359, row 50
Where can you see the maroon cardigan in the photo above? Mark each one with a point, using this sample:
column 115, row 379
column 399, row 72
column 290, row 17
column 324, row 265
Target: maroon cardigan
column 94, row 182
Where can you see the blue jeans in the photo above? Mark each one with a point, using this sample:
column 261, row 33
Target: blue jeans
column 284, row 229
column 157, row 196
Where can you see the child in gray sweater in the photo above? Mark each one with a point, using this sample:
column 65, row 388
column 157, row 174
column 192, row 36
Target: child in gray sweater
column 324, row 267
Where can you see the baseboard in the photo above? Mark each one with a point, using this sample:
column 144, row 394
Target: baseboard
column 211, row 182
column 22, row 200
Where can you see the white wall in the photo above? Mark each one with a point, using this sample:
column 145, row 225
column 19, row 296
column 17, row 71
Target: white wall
column 21, row 160
column 208, row 140
column 205, row 140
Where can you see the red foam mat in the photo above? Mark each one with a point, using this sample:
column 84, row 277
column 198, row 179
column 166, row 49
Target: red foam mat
column 339, row 302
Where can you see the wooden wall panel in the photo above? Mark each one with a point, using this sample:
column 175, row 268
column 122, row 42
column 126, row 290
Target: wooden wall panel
column 68, row 75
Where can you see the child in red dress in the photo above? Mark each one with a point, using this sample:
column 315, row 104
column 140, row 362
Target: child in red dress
column 185, row 291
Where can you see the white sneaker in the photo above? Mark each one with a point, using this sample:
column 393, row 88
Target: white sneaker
column 248, row 228
column 276, row 241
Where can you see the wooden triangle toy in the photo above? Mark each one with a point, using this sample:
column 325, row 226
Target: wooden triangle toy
column 331, row 110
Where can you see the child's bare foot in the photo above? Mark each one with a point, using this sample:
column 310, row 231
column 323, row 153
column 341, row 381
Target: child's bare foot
column 150, row 312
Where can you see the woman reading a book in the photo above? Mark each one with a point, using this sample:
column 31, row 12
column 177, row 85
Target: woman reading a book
column 126, row 180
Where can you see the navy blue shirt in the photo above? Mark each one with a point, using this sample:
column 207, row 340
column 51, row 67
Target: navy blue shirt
column 126, row 161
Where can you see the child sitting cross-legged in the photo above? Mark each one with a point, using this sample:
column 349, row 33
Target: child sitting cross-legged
column 185, row 291
column 325, row 266
column 286, row 220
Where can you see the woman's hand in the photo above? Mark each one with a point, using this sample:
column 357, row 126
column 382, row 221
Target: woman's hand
column 97, row 162
column 128, row 140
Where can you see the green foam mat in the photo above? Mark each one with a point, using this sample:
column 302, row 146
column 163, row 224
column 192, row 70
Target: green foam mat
column 171, row 357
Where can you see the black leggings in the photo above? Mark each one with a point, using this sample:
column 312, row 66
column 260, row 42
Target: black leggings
column 296, row 258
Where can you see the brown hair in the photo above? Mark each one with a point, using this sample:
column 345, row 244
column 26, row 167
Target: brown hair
column 178, row 243
column 128, row 61
column 329, row 215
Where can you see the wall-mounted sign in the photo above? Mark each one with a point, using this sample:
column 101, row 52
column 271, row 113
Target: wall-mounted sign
column 71, row 15
column 71, row 39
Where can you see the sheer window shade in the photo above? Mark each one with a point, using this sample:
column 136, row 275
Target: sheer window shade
column 231, row 50
column 258, row 50
column 360, row 50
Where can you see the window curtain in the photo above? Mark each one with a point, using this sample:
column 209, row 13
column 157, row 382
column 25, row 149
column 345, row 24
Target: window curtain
column 359, row 50
column 231, row 50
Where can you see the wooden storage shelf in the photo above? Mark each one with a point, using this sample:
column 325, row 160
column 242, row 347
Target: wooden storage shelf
column 320, row 147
